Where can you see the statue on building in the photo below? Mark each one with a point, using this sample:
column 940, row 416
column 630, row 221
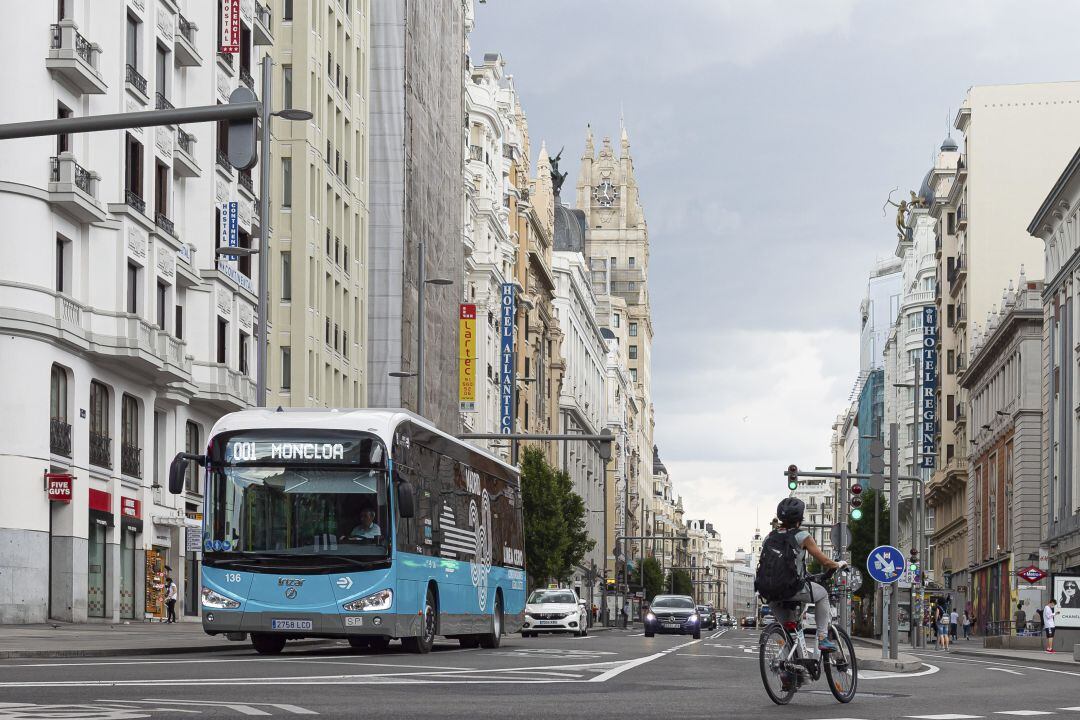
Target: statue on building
column 902, row 209
column 557, row 178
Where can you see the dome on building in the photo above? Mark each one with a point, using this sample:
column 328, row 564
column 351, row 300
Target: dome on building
column 608, row 335
column 657, row 465
column 949, row 145
column 569, row 229
column 925, row 191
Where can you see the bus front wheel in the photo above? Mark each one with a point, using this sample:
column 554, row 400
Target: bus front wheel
column 426, row 640
column 492, row 639
column 267, row 644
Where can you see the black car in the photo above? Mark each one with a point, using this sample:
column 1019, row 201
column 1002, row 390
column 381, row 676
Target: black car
column 673, row 614
column 707, row 617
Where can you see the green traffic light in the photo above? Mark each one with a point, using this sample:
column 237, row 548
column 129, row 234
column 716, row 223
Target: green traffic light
column 856, row 514
column 793, row 485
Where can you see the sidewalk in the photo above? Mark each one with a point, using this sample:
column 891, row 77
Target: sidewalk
column 102, row 640
column 974, row 648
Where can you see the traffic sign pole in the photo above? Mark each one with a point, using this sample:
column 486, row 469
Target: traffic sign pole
column 894, row 532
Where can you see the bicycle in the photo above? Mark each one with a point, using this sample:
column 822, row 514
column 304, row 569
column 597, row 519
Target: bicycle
column 786, row 663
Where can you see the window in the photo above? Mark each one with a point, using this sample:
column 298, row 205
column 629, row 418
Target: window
column 286, row 13
column 615, row 319
column 130, row 451
column 950, row 407
column 632, row 262
column 951, row 223
column 633, row 374
column 245, row 48
column 133, row 166
column 286, row 367
column 633, row 352
column 951, row 361
column 162, row 299
column 191, row 445
column 63, row 247
column 286, row 86
column 613, row 263
column 132, row 288
column 345, row 262
column 243, row 350
column 327, row 331
column 337, row 337
column 58, row 394
column 133, row 42
column 63, row 142
column 243, row 262
column 222, row 340
column 286, row 276
column 950, row 315
column 286, row 182
column 161, row 188
column 633, row 329
column 179, row 329
column 161, row 68
column 100, row 442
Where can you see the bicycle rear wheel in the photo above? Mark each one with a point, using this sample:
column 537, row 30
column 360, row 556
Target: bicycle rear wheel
column 779, row 683
column 841, row 666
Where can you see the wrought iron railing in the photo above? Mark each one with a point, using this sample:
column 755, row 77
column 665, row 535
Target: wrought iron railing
column 244, row 178
column 133, row 200
column 83, row 47
column 84, row 179
column 161, row 102
column 165, row 223
column 186, row 28
column 245, row 77
column 223, row 160
column 59, row 437
column 130, row 460
column 136, row 79
column 476, row 153
column 100, row 450
column 186, row 141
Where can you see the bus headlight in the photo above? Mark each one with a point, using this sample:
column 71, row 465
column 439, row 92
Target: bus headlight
column 381, row 600
column 212, row 599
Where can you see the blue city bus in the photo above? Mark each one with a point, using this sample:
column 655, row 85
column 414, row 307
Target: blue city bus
column 369, row 525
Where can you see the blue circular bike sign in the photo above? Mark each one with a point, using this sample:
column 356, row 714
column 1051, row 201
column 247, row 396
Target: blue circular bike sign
column 885, row 564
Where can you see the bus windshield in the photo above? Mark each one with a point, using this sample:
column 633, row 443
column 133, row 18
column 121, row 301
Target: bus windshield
column 266, row 512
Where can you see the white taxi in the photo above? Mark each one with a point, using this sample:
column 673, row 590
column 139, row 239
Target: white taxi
column 555, row 611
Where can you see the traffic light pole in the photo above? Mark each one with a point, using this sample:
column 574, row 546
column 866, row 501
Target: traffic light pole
column 894, row 535
column 844, row 612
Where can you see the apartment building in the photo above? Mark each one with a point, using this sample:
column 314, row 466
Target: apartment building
column 124, row 336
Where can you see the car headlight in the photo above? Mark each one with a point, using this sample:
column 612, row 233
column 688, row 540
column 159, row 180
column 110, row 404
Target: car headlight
column 650, row 617
column 218, row 601
column 570, row 615
column 693, row 618
column 381, row 600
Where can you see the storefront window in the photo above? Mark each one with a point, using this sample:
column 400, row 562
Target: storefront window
column 96, row 570
column 127, row 573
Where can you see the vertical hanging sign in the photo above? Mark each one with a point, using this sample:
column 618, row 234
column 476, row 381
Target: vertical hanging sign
column 230, row 228
column 928, row 385
column 506, row 359
column 467, row 357
column 230, row 26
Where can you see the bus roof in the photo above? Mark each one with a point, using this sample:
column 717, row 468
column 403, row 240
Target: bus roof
column 378, row 421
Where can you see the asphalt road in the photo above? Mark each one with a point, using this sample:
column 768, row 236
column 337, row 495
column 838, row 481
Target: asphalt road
column 614, row 674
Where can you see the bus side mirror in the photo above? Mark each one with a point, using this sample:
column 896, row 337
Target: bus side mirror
column 178, row 469
column 406, row 499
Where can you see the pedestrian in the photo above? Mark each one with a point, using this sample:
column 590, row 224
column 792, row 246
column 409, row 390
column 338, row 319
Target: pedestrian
column 941, row 619
column 1020, row 618
column 170, row 600
column 954, row 623
column 595, row 613
column 1049, row 623
column 626, row 613
column 967, row 625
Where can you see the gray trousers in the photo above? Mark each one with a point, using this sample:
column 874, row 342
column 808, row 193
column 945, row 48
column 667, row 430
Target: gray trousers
column 814, row 593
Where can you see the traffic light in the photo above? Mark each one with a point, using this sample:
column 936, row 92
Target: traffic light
column 913, row 564
column 856, row 501
column 243, row 134
column 876, row 465
column 792, row 477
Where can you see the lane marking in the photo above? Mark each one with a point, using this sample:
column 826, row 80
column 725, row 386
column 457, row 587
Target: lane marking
column 1005, row 664
column 1005, row 670
column 885, row 675
column 333, row 659
column 640, row 661
column 1022, row 712
column 943, row 717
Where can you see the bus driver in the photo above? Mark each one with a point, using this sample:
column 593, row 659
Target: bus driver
column 368, row 529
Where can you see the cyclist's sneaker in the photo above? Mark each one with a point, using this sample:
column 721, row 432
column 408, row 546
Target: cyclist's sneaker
column 825, row 645
column 787, row 681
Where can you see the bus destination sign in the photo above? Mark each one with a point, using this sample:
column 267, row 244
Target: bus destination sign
column 361, row 451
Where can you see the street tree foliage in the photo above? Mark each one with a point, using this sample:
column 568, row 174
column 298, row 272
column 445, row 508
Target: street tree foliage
column 862, row 540
column 556, row 535
column 653, row 575
column 680, row 583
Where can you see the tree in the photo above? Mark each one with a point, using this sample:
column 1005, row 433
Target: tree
column 653, row 583
column 680, row 583
column 555, row 536
column 862, row 540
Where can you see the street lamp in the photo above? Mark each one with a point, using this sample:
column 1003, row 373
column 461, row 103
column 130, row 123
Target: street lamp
column 399, row 374
column 238, row 251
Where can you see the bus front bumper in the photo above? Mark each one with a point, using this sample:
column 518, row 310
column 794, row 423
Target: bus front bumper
column 300, row 624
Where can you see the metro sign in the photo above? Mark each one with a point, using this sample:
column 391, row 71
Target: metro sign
column 1032, row 574
column 59, row 487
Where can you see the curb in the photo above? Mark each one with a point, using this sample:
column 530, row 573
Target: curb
column 1003, row 656
column 136, row 651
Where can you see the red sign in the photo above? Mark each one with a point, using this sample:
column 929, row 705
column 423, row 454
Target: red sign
column 130, row 507
column 467, row 312
column 100, row 500
column 1032, row 574
column 230, row 26
column 59, row 486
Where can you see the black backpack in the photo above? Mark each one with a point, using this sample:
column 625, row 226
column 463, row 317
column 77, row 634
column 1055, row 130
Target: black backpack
column 778, row 575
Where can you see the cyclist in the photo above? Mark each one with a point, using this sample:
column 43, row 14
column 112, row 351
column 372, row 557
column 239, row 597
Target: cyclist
column 790, row 514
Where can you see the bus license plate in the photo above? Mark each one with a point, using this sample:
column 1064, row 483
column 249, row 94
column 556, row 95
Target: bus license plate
column 290, row 624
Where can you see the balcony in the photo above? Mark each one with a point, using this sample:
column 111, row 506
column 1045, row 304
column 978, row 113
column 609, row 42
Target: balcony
column 131, row 460
column 74, row 59
column 961, row 217
column 100, row 450
column 961, row 417
column 161, row 102
column 221, row 386
column 476, row 153
column 262, row 32
column 59, row 437
column 226, row 61
column 244, row 180
column 186, row 54
column 223, row 163
column 164, row 223
column 136, row 83
column 73, row 189
column 245, row 77
column 961, row 316
column 134, row 202
column 184, row 164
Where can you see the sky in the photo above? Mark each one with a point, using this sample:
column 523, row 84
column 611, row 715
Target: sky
column 766, row 136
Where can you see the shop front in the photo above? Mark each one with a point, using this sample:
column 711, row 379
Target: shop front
column 97, row 555
column 131, row 527
column 991, row 600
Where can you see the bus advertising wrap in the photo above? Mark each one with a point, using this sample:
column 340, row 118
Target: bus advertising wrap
column 467, row 357
column 506, row 359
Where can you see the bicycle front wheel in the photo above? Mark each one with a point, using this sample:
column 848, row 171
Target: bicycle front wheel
column 772, row 657
column 841, row 666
